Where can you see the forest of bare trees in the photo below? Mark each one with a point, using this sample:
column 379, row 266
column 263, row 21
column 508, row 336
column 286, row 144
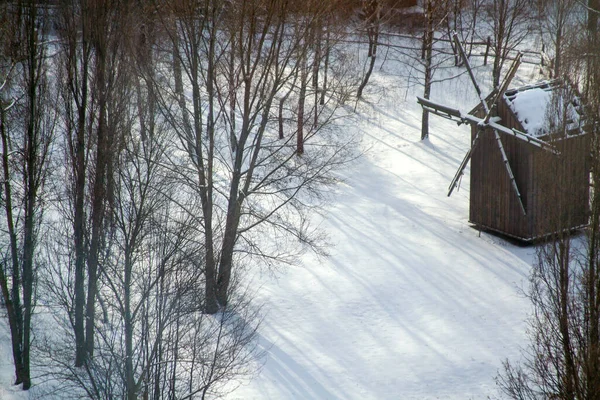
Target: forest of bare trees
column 152, row 151
column 143, row 169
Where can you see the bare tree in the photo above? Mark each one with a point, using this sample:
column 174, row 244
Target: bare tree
column 436, row 14
column 244, row 176
column 558, row 22
column 75, row 70
column 428, row 61
column 151, row 293
column 590, row 50
column 173, row 168
column 152, row 338
column 26, row 128
column 510, row 23
column 91, row 70
column 371, row 13
column 562, row 358
column 463, row 17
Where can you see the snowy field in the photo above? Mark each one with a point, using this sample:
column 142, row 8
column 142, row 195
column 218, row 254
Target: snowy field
column 412, row 303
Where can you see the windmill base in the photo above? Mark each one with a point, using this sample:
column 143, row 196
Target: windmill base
column 527, row 241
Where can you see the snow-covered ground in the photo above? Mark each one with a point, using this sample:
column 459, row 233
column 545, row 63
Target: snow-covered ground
column 412, row 303
column 7, row 371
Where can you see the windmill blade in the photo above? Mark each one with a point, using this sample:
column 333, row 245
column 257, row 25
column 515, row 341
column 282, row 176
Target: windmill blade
column 532, row 140
column 441, row 110
column 518, row 134
column 457, row 116
column 507, row 80
column 463, row 164
column 509, row 170
column 459, row 173
column 463, row 56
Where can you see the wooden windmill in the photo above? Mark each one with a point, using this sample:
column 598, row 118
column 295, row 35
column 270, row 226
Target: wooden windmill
column 509, row 164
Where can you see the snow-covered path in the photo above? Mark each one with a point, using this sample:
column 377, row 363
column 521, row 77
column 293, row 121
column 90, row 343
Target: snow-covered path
column 412, row 303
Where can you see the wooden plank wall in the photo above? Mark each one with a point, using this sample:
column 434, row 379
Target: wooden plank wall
column 555, row 190
column 494, row 203
column 561, row 186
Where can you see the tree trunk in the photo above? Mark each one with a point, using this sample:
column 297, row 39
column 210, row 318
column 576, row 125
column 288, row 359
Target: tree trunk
column 14, row 303
column 501, row 18
column 301, row 103
column 570, row 376
column 78, row 157
column 229, row 237
column 373, row 14
column 592, row 283
column 206, row 179
column 192, row 140
column 31, row 147
column 318, row 36
column 232, row 92
column 373, row 56
column 128, row 327
column 558, row 53
column 98, row 199
column 326, row 66
column 592, row 16
column 428, row 50
column 496, row 69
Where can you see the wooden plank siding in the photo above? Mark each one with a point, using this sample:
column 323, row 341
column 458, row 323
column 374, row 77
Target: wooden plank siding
column 554, row 189
column 561, row 186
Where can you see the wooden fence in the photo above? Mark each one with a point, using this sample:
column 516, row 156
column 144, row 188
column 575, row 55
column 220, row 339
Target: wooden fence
column 478, row 48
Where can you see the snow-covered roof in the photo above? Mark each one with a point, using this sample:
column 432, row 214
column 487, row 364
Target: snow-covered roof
column 545, row 107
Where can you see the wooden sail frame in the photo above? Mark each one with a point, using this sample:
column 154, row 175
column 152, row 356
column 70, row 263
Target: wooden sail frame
column 485, row 123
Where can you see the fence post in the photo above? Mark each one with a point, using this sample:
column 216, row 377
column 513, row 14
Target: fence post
column 487, row 50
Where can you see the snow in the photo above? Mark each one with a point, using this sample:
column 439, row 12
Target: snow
column 7, row 390
column 412, row 302
column 530, row 108
column 543, row 107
